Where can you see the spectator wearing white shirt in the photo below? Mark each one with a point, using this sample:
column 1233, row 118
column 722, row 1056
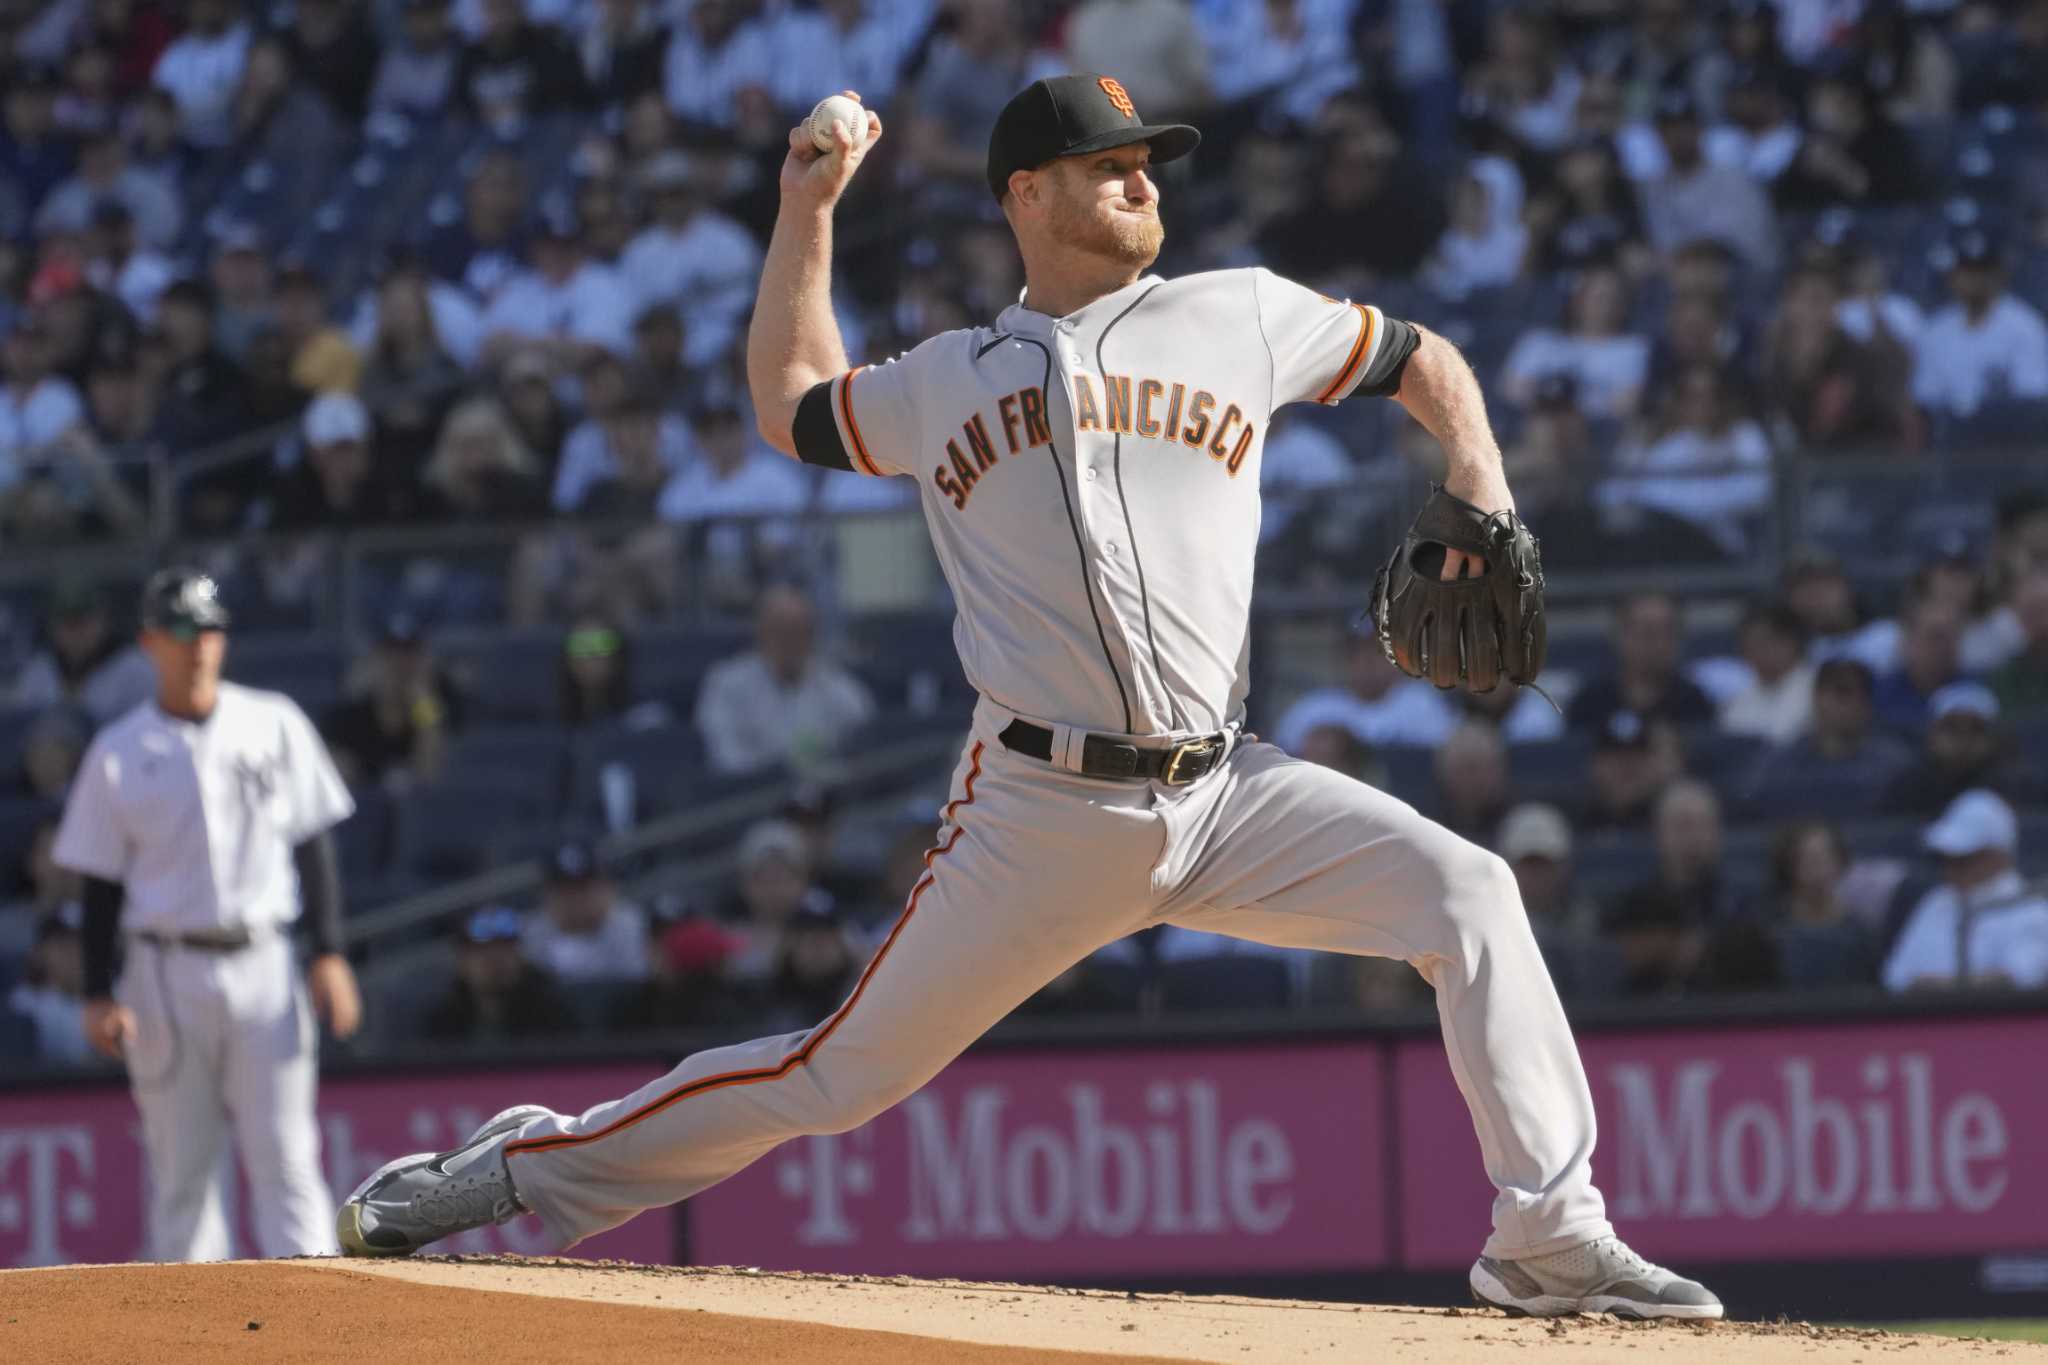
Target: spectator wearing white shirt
column 1484, row 244
column 847, row 45
column 85, row 663
column 202, row 71
column 1603, row 358
column 584, row 933
column 1696, row 199
column 1760, row 136
column 105, row 175
column 1300, row 460
column 782, row 701
column 592, row 455
column 1376, row 704
column 564, row 306
column 691, row 256
column 717, row 51
column 1985, row 345
column 1526, row 82
column 1776, row 704
column 1711, row 466
column 1983, row 926
column 38, row 407
column 415, row 73
column 736, row 476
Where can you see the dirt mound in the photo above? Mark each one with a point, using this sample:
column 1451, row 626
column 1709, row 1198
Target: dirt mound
column 507, row 1309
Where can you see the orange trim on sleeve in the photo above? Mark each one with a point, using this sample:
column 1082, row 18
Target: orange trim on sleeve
column 860, row 447
column 1357, row 357
column 817, row 1036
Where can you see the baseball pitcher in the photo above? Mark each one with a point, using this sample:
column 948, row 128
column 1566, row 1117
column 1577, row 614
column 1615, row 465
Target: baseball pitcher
column 200, row 822
column 1089, row 470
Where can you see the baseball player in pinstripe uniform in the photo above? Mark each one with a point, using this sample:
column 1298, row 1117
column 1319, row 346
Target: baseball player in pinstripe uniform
column 1089, row 469
column 200, row 822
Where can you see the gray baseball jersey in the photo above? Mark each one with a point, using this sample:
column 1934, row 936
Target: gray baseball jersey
column 1092, row 482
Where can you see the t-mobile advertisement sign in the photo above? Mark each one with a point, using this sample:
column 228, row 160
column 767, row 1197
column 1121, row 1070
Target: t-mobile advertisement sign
column 1910, row 1138
column 1075, row 1164
column 73, row 1177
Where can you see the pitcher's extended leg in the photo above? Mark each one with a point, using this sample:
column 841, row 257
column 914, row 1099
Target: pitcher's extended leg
column 1288, row 853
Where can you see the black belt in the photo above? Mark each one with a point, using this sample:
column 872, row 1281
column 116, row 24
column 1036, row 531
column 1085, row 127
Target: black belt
column 208, row 941
column 1102, row 756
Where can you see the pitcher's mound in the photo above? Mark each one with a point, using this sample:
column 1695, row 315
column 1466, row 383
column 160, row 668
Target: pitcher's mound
column 504, row 1310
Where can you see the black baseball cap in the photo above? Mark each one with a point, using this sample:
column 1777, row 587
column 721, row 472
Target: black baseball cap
column 183, row 602
column 1069, row 115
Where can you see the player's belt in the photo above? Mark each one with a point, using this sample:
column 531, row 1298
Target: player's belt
column 198, row 940
column 1102, row 756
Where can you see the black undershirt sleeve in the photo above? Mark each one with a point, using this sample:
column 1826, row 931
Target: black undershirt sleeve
column 815, row 433
column 1382, row 378
column 320, row 891
column 102, row 900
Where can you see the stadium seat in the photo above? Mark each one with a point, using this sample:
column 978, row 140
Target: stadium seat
column 516, row 675
column 533, row 758
column 448, row 830
column 307, row 668
column 666, row 765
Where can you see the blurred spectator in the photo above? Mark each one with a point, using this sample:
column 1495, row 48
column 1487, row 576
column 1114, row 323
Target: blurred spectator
column 687, row 985
column 401, row 707
column 202, row 69
column 1525, row 82
column 481, row 471
column 1376, row 703
column 1983, row 926
column 51, row 750
column 51, row 996
column 104, row 176
column 496, row 993
column 1929, row 659
column 527, row 392
column 1536, row 841
column 34, row 156
column 1522, row 715
column 584, row 933
column 1648, row 634
column 565, row 307
column 814, row 965
column 1829, row 389
column 1851, row 151
column 120, row 266
column 775, row 884
column 691, row 256
column 1367, row 220
column 1160, row 56
column 1634, row 759
column 516, row 69
column 1821, row 941
column 591, row 454
column 1587, row 215
column 659, row 369
column 336, row 482
column 86, row 661
column 621, row 48
column 1484, row 244
column 415, row 73
column 1964, row 751
column 1472, row 780
column 1300, row 462
column 409, row 371
column 1663, row 926
column 1607, row 361
column 781, row 701
column 1986, row 345
column 1760, row 136
column 1777, row 705
column 1818, row 590
column 641, row 448
column 970, row 72
column 322, row 356
column 735, row 475
column 244, row 302
column 1334, row 747
column 1697, row 199
column 1844, row 747
column 1710, row 464
column 331, row 42
column 131, row 34
column 485, row 246
column 597, row 685
column 2021, row 682
column 38, row 406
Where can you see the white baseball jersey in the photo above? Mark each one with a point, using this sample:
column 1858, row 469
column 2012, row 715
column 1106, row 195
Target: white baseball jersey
column 1092, row 483
column 197, row 820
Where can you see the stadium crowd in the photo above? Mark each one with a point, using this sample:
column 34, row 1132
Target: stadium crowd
column 277, row 273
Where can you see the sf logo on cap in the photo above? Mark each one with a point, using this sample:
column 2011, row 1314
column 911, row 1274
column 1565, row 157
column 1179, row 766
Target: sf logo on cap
column 1118, row 96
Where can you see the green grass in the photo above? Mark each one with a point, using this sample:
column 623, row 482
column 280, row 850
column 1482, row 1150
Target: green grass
column 2000, row 1329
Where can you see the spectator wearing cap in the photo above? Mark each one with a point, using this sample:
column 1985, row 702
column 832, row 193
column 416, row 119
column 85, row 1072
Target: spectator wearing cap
column 782, row 701
column 517, row 69
column 1983, row 926
column 1834, row 390
column 1663, row 927
column 775, row 882
column 323, row 359
column 483, row 247
column 689, row 985
column 1697, row 199
column 1471, row 771
column 496, row 993
column 34, row 157
column 85, row 660
column 481, row 471
column 1634, row 758
column 691, row 256
column 1605, row 360
column 1928, row 658
column 1986, row 344
column 1821, row 941
column 1648, row 634
column 202, row 70
column 2021, row 682
column 399, row 708
column 51, row 995
column 118, row 264
column 1844, row 747
column 337, row 483
column 1777, row 703
column 1963, row 750
column 105, row 176
column 1375, row 703
column 596, row 685
column 564, row 306
column 585, row 933
column 415, row 72
column 1850, row 153
column 1709, row 464
column 1536, row 842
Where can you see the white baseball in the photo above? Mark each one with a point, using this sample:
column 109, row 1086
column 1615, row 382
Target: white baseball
column 837, row 109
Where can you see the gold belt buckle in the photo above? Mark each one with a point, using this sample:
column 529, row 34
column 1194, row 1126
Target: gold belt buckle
column 1192, row 749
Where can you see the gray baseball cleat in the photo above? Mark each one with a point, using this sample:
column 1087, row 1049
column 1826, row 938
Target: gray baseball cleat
column 427, row 1196
column 1600, row 1276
